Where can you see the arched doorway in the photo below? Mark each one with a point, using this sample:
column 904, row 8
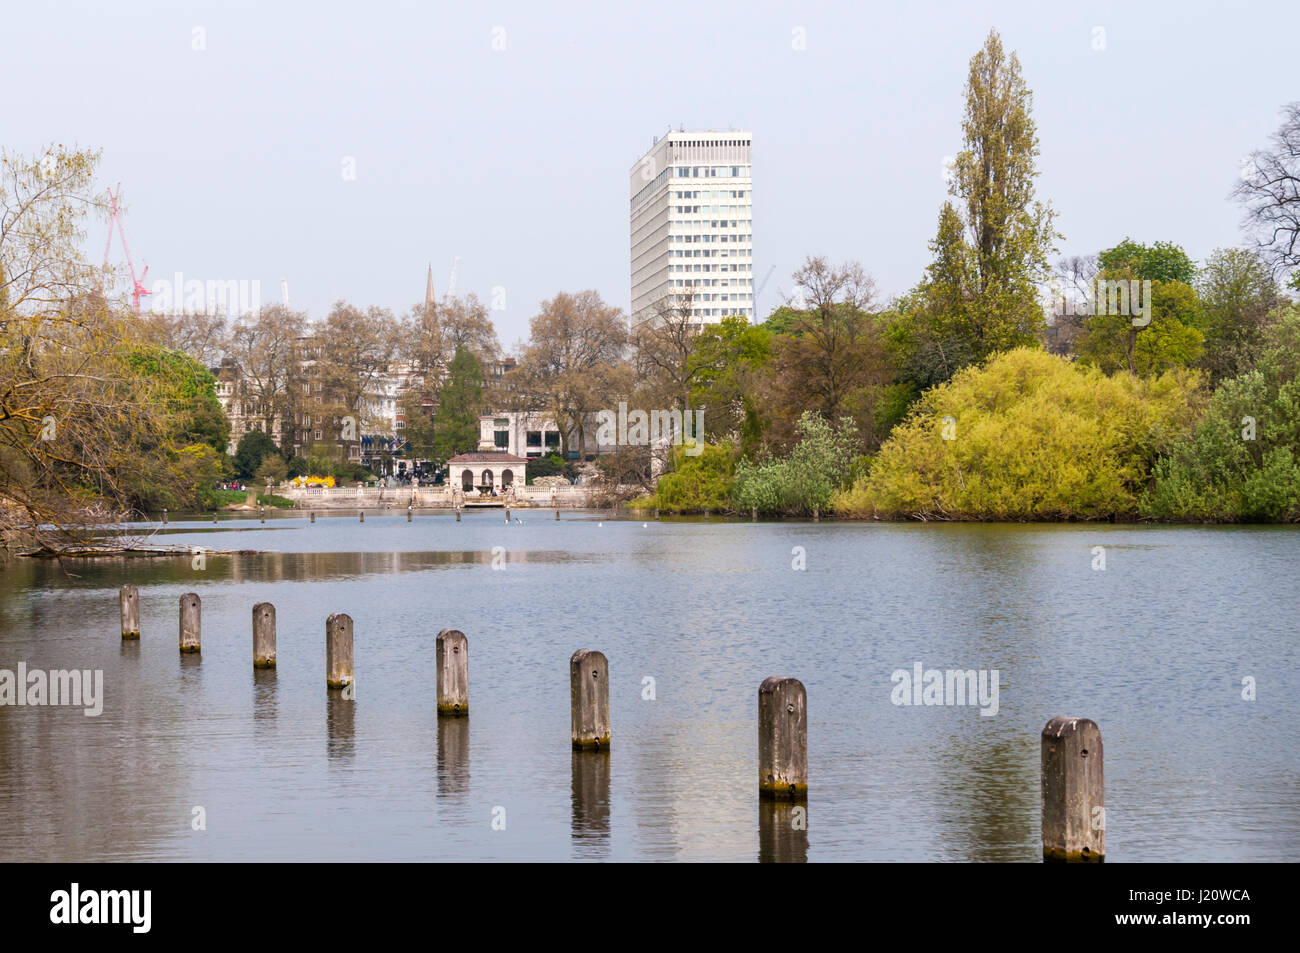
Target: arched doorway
column 507, row 478
column 487, row 478
column 467, row 480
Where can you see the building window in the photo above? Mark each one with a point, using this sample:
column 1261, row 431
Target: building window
column 502, row 438
column 534, row 438
column 552, row 440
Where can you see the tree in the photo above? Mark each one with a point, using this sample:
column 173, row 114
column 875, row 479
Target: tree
column 355, row 349
column 267, row 351
column 1269, row 189
column 1162, row 261
column 1171, row 337
column 833, row 361
column 805, row 479
column 1242, row 460
column 734, row 356
column 455, row 423
column 571, row 367
column 254, row 447
column 1238, row 296
column 992, row 246
column 1028, row 435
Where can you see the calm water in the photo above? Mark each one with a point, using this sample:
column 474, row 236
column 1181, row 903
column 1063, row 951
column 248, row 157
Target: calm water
column 1154, row 649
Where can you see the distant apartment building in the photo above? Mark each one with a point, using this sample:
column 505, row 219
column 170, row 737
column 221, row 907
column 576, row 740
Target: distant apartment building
column 242, row 405
column 692, row 226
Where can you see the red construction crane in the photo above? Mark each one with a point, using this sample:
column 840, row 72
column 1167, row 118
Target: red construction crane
column 138, row 287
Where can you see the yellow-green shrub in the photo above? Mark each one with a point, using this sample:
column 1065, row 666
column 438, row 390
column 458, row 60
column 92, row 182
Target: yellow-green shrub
column 1034, row 437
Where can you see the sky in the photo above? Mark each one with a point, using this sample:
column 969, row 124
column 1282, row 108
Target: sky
column 344, row 147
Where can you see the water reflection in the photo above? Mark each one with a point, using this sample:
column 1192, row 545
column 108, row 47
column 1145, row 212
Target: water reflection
column 340, row 726
column 453, row 756
column 590, row 771
column 782, row 832
column 265, row 700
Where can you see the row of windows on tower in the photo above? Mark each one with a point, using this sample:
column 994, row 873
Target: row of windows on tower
column 710, row 171
column 713, row 194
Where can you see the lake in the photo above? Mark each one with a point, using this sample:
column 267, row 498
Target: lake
column 1154, row 648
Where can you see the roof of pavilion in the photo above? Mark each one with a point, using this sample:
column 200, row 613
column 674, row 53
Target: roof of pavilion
column 487, row 456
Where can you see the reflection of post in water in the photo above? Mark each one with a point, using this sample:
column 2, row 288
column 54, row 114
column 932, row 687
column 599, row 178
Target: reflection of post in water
column 453, row 756
column 782, row 832
column 265, row 702
column 591, row 801
column 339, row 715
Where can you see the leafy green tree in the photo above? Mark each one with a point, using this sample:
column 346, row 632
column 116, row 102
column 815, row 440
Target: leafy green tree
column 1242, row 462
column 1162, row 261
column 1238, row 296
column 695, row 483
column 455, row 423
column 252, row 448
column 993, row 242
column 1172, row 337
column 804, row 480
column 1029, row 435
column 734, row 355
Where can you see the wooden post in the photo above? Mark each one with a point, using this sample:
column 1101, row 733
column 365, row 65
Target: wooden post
column 362, row 516
column 313, row 516
column 214, row 519
column 190, row 622
column 817, row 514
column 409, row 512
column 1074, row 791
column 452, row 650
column 753, row 514
column 589, row 699
column 164, row 516
column 557, row 516
column 338, row 650
column 261, row 512
column 507, row 514
column 264, row 635
column 458, row 514
column 130, row 598
column 782, row 739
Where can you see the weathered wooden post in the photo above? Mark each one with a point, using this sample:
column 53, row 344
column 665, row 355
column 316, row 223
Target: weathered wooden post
column 214, row 519
column 313, row 516
column 190, row 622
column 458, row 514
column 589, row 699
column 1074, row 791
column 557, row 516
column 452, row 650
column 507, row 514
column 264, row 635
column 409, row 513
column 164, row 516
column 261, row 512
column 782, row 739
column 338, row 650
column 130, row 598
column 361, row 516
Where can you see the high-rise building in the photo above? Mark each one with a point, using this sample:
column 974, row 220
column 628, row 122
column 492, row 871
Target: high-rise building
column 691, row 218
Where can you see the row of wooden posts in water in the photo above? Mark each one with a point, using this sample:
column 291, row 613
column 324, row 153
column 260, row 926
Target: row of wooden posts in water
column 410, row 513
column 1073, row 783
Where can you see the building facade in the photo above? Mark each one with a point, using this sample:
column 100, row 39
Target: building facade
column 692, row 226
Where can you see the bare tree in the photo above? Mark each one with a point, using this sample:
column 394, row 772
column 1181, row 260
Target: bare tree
column 1270, row 191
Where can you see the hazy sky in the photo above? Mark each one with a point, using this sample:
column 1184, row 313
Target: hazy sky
column 232, row 157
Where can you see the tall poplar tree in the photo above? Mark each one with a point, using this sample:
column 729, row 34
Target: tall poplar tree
column 994, row 238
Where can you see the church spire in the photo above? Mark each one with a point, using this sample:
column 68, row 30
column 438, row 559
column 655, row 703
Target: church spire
column 428, row 289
